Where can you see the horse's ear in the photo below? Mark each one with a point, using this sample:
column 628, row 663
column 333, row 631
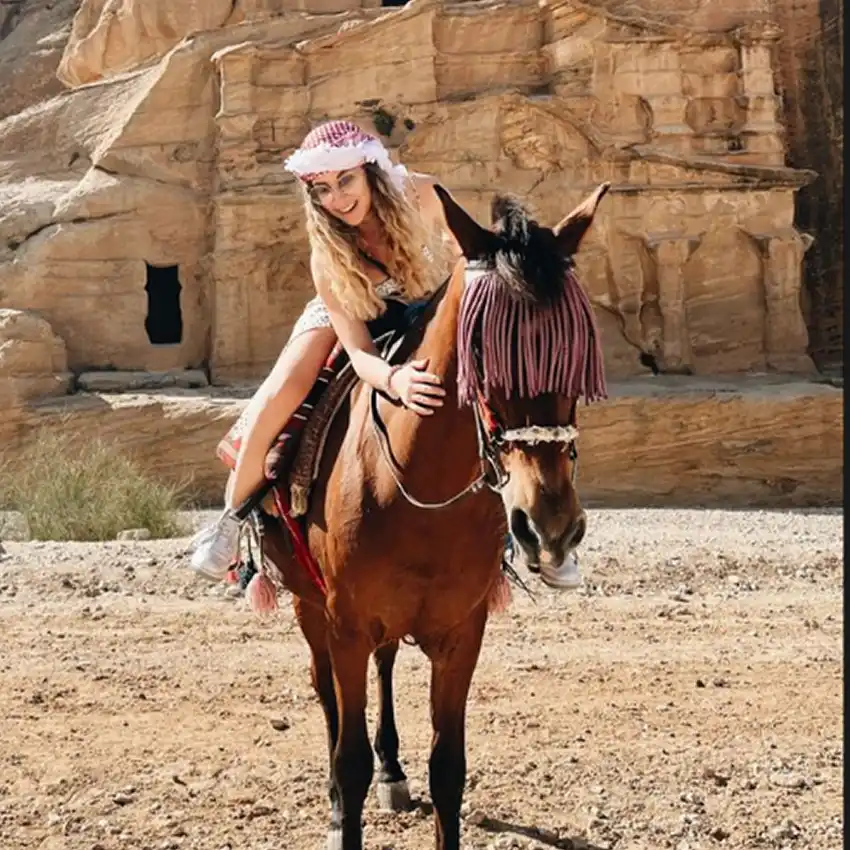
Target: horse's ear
column 474, row 240
column 571, row 229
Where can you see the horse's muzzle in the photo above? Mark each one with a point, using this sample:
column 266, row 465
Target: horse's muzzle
column 540, row 549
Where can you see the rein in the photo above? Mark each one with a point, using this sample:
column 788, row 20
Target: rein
column 396, row 470
column 492, row 437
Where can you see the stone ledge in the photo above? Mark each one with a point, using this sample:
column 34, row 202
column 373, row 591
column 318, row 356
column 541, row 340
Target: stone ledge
column 128, row 381
column 757, row 441
column 669, row 441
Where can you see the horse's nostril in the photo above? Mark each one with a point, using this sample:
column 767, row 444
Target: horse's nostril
column 576, row 534
column 522, row 529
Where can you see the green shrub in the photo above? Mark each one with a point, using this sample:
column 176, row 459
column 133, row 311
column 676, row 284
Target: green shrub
column 73, row 488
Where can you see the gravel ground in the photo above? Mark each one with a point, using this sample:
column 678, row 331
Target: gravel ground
column 688, row 696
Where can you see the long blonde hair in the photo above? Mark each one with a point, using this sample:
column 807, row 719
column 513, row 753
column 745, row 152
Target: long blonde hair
column 409, row 241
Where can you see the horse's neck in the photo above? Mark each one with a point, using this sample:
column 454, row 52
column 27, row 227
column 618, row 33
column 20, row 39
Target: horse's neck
column 450, row 432
column 439, row 343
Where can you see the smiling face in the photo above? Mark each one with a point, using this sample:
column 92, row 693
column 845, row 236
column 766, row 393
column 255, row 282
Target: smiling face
column 346, row 195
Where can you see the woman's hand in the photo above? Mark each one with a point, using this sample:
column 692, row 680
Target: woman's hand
column 416, row 388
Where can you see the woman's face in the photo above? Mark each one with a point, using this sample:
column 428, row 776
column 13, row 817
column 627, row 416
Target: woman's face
column 344, row 194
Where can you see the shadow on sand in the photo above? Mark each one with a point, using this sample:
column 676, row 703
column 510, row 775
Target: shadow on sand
column 542, row 836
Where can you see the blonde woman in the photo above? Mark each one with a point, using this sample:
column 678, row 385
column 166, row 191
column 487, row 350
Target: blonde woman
column 369, row 225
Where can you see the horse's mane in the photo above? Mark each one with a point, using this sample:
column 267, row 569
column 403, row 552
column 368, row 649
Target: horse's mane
column 526, row 258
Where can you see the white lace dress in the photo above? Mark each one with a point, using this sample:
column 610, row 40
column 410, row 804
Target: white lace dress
column 315, row 315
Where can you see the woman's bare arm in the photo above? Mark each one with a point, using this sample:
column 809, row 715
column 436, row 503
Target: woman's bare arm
column 432, row 211
column 417, row 388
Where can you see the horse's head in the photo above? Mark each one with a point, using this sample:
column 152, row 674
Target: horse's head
column 527, row 351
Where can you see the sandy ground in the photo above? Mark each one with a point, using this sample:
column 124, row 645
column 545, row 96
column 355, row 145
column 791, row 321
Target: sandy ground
column 689, row 696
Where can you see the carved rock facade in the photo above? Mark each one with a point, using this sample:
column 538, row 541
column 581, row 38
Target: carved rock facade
column 145, row 213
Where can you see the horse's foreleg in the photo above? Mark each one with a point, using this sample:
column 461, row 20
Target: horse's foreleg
column 352, row 762
column 393, row 793
column 453, row 662
column 312, row 622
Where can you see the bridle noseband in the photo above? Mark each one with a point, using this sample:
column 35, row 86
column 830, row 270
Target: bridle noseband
column 493, row 440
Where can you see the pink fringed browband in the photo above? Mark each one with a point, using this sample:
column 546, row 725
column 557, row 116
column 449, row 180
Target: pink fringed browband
column 528, row 349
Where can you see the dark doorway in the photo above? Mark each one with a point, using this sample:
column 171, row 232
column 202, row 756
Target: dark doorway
column 393, row 2
column 164, row 322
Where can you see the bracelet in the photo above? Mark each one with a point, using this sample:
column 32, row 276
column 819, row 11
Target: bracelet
column 388, row 387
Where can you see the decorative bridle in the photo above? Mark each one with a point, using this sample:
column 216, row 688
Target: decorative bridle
column 493, row 439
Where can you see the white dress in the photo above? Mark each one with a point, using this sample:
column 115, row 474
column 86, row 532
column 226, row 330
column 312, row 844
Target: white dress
column 315, row 313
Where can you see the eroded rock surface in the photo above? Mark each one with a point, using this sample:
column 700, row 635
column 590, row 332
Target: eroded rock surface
column 146, row 217
column 111, row 36
column 656, row 442
column 33, row 34
column 33, row 360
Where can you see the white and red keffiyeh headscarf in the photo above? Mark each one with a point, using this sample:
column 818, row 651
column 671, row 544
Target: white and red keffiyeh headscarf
column 337, row 145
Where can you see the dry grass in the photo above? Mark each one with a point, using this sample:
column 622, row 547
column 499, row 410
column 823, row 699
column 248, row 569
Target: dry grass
column 73, row 488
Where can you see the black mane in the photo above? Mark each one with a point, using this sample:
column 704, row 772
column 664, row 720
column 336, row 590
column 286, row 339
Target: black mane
column 527, row 257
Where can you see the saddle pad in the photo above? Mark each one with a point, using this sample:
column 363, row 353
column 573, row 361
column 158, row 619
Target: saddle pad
column 311, row 445
column 279, row 458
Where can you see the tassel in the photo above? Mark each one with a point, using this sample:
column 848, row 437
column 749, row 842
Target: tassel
column 500, row 595
column 262, row 595
column 298, row 500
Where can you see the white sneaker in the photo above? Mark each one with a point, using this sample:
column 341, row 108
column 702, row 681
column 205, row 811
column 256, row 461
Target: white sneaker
column 216, row 547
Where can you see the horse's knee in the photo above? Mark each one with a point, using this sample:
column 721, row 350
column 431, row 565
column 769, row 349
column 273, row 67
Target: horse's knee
column 352, row 760
column 321, row 677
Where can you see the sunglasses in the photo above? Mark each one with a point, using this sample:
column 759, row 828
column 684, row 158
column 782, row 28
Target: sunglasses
column 322, row 192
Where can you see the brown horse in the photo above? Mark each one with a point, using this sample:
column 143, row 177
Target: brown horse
column 513, row 337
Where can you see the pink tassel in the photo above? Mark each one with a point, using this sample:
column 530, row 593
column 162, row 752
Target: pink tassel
column 500, row 596
column 261, row 595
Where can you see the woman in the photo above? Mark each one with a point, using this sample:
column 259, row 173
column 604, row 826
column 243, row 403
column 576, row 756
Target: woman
column 362, row 214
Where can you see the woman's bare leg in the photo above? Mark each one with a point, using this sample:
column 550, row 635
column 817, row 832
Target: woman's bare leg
column 271, row 407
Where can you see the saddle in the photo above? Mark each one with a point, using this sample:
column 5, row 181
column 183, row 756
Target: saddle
column 292, row 463
column 296, row 455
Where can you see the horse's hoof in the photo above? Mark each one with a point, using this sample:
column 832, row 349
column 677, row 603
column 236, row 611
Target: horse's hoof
column 334, row 839
column 393, row 796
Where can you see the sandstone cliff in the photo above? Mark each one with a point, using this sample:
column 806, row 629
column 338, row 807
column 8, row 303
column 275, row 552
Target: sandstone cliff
column 810, row 74
column 146, row 223
column 33, row 35
column 674, row 440
column 155, row 183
